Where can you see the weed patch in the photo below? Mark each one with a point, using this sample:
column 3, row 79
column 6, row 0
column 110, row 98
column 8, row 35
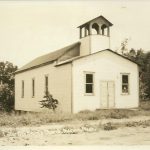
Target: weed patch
column 145, row 105
column 30, row 119
column 109, row 126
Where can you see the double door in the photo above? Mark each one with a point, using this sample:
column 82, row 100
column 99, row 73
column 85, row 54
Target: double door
column 107, row 94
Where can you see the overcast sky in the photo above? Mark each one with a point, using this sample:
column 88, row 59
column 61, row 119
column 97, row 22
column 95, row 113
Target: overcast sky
column 32, row 28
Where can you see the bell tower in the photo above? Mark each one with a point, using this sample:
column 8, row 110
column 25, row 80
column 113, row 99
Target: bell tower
column 95, row 35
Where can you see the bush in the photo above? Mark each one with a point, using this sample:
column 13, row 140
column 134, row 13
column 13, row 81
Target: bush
column 49, row 102
column 108, row 126
column 86, row 111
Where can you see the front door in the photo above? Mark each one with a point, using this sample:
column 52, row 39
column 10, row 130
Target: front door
column 107, row 94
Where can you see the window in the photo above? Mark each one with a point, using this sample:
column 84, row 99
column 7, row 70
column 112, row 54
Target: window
column 125, row 83
column 46, row 83
column 22, row 92
column 33, row 87
column 89, row 84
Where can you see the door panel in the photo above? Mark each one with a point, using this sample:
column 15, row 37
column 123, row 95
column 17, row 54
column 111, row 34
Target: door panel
column 103, row 93
column 107, row 94
column 111, row 94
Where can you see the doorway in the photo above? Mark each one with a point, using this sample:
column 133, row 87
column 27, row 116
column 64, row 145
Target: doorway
column 107, row 94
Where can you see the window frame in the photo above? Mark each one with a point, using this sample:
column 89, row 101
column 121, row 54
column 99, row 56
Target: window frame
column 33, row 87
column 128, row 74
column 22, row 88
column 93, row 84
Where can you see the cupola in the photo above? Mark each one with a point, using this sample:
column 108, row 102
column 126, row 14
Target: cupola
column 95, row 35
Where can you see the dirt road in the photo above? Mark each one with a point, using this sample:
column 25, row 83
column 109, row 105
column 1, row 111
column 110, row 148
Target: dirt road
column 51, row 135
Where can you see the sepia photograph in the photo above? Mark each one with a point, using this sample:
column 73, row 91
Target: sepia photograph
column 74, row 73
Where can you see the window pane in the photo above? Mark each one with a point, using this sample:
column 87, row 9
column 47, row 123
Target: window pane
column 124, row 88
column 124, row 78
column 89, row 78
column 89, row 88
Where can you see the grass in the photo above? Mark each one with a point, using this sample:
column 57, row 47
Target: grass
column 145, row 105
column 30, row 119
column 14, row 120
column 113, row 126
column 106, row 114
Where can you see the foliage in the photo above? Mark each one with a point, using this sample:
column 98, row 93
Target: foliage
column 104, row 114
column 124, row 46
column 143, row 59
column 143, row 89
column 6, row 98
column 46, row 117
column 7, row 70
column 49, row 102
column 108, row 126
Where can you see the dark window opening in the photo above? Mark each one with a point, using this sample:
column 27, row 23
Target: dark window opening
column 125, row 83
column 89, row 83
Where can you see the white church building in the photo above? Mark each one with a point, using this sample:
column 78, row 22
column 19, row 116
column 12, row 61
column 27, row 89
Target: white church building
column 86, row 75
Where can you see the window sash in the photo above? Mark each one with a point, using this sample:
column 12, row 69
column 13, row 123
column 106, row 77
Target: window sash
column 123, row 79
column 125, row 85
column 89, row 86
column 89, row 78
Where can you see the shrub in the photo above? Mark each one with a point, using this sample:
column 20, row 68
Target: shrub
column 86, row 111
column 116, row 114
column 108, row 126
column 49, row 102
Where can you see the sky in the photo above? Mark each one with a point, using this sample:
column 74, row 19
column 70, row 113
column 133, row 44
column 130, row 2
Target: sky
column 29, row 29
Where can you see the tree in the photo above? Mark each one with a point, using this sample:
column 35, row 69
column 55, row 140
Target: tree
column 146, row 76
column 124, row 44
column 49, row 102
column 6, row 98
column 7, row 71
column 143, row 59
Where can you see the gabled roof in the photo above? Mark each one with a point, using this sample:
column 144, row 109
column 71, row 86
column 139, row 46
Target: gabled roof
column 96, row 18
column 51, row 57
column 47, row 59
column 79, row 57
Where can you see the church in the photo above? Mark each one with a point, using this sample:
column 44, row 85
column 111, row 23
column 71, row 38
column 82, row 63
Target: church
column 86, row 75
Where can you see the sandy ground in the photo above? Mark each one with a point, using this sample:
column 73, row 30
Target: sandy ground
column 54, row 135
